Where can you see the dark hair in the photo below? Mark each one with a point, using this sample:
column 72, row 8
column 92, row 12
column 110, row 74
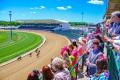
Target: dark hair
column 68, row 51
column 102, row 64
column 118, row 15
column 47, row 73
column 74, row 43
column 34, row 75
column 99, row 38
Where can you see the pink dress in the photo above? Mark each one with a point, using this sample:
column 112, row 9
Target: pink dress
column 74, row 53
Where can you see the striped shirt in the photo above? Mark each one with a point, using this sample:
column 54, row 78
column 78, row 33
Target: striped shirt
column 114, row 29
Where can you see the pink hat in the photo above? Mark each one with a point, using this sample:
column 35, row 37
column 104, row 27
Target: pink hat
column 63, row 50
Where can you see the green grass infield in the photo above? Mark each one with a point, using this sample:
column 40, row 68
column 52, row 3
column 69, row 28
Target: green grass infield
column 20, row 43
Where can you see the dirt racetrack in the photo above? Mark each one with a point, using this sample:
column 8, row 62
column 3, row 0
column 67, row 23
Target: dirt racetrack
column 19, row 70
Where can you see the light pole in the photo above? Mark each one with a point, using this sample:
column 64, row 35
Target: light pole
column 10, row 15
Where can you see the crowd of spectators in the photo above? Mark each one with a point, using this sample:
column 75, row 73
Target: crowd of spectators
column 87, row 51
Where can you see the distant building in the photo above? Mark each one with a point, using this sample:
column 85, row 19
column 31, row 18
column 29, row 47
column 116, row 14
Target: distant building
column 49, row 24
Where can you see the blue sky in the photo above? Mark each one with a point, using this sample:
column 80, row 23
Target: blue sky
column 67, row 10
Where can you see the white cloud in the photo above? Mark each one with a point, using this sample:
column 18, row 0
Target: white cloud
column 63, row 8
column 69, row 7
column 98, row 2
column 41, row 7
column 38, row 8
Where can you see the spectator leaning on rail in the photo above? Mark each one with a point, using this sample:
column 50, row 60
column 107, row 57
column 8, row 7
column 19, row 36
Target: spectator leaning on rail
column 115, row 46
column 101, row 43
column 94, row 54
column 114, row 29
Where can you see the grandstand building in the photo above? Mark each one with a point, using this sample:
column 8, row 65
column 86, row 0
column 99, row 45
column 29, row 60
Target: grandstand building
column 43, row 24
column 113, row 5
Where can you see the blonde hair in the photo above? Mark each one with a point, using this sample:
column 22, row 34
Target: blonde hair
column 57, row 64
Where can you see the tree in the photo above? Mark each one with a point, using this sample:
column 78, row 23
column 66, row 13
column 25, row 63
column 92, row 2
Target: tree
column 5, row 23
column 77, row 23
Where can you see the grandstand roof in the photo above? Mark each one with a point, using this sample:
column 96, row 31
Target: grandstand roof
column 113, row 5
column 44, row 21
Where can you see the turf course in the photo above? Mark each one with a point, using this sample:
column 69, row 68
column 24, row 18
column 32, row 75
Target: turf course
column 21, row 42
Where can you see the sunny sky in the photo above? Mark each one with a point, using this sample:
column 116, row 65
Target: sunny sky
column 67, row 10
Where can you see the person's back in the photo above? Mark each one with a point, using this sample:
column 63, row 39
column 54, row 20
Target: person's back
column 62, row 75
column 102, row 73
